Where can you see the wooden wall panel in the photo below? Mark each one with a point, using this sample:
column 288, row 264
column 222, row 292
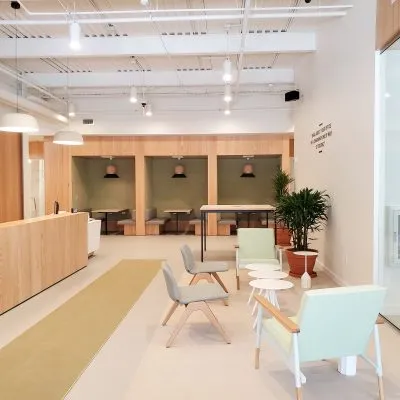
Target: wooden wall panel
column 108, row 146
column 57, row 176
column 38, row 252
column 249, row 145
column 36, row 150
column 387, row 23
column 11, row 184
column 286, row 164
column 291, row 147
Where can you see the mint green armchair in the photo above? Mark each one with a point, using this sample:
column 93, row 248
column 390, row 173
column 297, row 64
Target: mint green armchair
column 331, row 323
column 256, row 246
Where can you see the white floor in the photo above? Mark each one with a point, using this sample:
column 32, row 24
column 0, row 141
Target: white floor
column 134, row 363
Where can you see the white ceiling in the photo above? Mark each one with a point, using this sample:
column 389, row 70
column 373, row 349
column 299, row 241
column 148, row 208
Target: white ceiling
column 256, row 45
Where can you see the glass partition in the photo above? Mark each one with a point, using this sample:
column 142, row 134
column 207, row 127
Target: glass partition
column 388, row 195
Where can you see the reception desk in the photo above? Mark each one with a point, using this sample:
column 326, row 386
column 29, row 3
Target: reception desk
column 38, row 252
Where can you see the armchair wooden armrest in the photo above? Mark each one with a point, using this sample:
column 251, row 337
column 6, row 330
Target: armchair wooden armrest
column 287, row 323
column 236, row 246
column 380, row 320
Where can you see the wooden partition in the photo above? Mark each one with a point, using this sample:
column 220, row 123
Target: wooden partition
column 38, row 252
column 58, row 161
column 387, row 23
column 11, row 192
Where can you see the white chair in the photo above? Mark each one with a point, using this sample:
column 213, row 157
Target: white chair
column 194, row 298
column 331, row 323
column 256, row 246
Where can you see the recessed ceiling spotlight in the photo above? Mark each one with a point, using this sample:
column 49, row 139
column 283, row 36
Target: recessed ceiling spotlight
column 144, row 2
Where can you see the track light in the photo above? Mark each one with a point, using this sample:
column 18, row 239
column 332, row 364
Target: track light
column 71, row 110
column 148, row 111
column 133, row 96
column 227, row 76
column 228, row 94
column 74, row 35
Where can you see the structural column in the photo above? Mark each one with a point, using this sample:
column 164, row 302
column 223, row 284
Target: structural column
column 212, row 188
column 140, row 183
column 286, row 164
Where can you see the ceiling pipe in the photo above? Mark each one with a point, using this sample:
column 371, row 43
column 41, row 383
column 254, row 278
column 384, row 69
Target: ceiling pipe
column 181, row 10
column 172, row 19
column 242, row 43
column 20, row 77
column 29, row 106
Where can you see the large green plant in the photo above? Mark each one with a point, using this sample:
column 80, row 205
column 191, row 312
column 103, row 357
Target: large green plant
column 281, row 181
column 303, row 212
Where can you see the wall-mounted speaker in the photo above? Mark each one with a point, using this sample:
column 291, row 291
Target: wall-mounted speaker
column 293, row 95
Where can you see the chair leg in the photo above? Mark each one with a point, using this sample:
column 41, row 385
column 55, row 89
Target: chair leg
column 203, row 306
column 170, row 312
column 381, row 392
column 218, row 279
column 257, row 358
column 237, row 282
column 299, row 395
column 181, row 322
column 192, row 280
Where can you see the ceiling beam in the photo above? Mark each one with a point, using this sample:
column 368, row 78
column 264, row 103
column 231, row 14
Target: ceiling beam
column 158, row 78
column 174, row 45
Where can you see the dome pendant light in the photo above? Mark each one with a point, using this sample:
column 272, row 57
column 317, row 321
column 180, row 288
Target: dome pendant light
column 111, row 170
column 133, row 98
column 228, row 94
column 74, row 35
column 18, row 122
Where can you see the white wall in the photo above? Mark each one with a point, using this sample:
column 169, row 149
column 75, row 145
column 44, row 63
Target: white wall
column 337, row 84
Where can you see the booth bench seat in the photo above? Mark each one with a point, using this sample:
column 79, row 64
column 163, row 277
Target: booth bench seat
column 224, row 226
column 129, row 226
column 155, row 226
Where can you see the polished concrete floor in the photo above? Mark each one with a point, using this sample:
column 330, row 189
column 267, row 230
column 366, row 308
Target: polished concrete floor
column 134, row 363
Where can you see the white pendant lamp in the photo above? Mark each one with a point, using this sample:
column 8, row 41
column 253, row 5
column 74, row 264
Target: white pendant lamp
column 227, row 76
column 74, row 35
column 148, row 110
column 227, row 111
column 18, row 122
column 133, row 98
column 71, row 110
column 228, row 94
column 69, row 138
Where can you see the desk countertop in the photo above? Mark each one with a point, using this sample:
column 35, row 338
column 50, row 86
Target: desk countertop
column 179, row 211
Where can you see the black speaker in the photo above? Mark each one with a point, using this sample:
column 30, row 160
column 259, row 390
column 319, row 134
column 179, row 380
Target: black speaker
column 292, row 95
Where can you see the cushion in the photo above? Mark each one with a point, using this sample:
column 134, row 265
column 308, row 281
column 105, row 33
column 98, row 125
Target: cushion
column 201, row 292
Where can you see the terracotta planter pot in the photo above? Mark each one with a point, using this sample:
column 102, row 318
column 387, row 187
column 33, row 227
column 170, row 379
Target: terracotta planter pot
column 283, row 236
column 297, row 264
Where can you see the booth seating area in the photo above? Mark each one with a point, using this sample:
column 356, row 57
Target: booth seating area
column 225, row 226
column 154, row 225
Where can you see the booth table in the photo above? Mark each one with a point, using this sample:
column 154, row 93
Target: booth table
column 107, row 211
column 229, row 208
column 177, row 212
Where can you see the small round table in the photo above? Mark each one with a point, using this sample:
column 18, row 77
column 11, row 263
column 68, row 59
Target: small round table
column 305, row 254
column 261, row 274
column 263, row 267
column 269, row 287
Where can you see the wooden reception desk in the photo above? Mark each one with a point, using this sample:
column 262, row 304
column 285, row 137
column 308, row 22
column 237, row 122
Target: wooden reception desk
column 38, row 252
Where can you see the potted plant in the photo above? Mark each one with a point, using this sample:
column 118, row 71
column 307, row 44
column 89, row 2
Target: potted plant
column 281, row 182
column 303, row 212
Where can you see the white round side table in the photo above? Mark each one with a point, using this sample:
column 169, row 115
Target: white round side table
column 260, row 274
column 307, row 283
column 263, row 267
column 269, row 287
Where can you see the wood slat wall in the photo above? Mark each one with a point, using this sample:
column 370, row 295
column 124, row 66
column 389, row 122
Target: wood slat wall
column 38, row 252
column 387, row 23
column 58, row 161
column 11, row 192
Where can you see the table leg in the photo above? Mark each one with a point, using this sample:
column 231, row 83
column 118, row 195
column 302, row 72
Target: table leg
column 177, row 223
column 348, row 365
column 205, row 232
column 201, row 234
column 106, row 222
column 251, row 296
column 248, row 220
column 255, row 303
